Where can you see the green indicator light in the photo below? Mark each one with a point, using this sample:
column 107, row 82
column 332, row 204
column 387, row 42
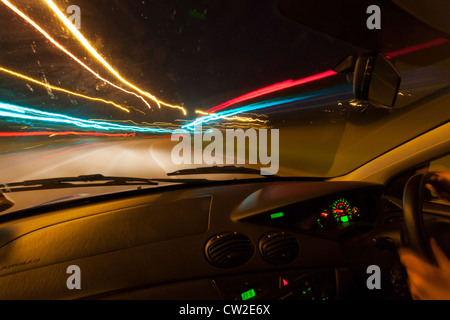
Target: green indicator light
column 248, row 294
column 197, row 14
column 344, row 219
column 276, row 215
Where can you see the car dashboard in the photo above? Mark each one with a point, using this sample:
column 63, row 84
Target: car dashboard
column 235, row 241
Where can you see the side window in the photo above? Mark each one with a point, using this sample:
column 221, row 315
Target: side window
column 441, row 164
column 396, row 186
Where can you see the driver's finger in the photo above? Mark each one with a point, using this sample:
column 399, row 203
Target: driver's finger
column 416, row 285
column 414, row 263
column 415, row 294
column 440, row 181
column 440, row 192
column 431, row 188
column 441, row 257
column 443, row 178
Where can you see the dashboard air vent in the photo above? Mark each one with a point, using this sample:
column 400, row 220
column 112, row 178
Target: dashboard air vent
column 279, row 247
column 229, row 249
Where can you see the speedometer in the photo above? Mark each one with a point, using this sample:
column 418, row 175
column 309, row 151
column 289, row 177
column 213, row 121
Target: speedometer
column 342, row 211
column 339, row 212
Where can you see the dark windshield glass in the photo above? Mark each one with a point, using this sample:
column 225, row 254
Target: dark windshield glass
column 104, row 94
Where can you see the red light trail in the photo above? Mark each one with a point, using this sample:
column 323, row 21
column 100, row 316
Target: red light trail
column 63, row 133
column 272, row 88
column 417, row 47
column 291, row 83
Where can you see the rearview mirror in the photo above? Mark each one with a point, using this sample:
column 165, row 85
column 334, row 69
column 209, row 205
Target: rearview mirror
column 376, row 79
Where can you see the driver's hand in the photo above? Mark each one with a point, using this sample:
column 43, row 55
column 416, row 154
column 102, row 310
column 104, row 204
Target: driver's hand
column 439, row 184
column 427, row 281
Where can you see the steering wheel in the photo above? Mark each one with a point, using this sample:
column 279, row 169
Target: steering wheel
column 414, row 230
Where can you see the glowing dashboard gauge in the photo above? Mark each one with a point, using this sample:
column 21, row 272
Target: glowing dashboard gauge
column 340, row 212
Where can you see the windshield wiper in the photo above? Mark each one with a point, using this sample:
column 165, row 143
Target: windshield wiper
column 99, row 180
column 217, row 169
column 92, row 180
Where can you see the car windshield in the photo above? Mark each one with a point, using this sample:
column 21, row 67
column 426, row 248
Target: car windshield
column 114, row 88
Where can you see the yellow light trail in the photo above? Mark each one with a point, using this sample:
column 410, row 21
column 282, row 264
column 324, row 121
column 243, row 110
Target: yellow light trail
column 201, row 112
column 97, row 56
column 37, row 27
column 61, row 89
column 245, row 119
column 137, row 110
column 160, row 125
column 236, row 118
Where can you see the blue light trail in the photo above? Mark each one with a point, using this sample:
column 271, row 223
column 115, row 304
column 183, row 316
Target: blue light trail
column 17, row 112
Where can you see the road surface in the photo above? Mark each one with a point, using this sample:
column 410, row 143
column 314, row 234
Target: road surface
column 130, row 157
